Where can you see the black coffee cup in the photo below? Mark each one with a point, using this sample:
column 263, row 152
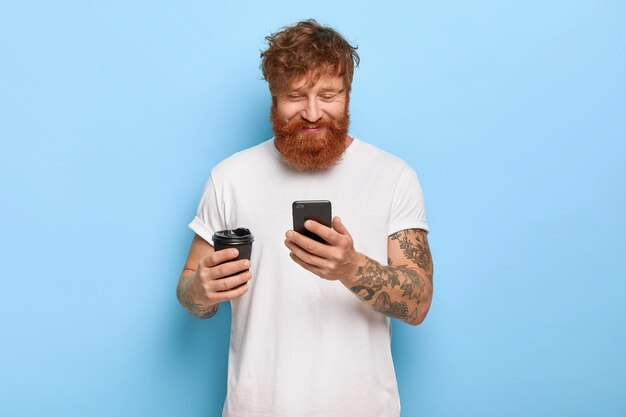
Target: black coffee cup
column 240, row 239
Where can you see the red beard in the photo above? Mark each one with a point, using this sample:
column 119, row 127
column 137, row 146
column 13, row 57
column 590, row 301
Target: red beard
column 315, row 151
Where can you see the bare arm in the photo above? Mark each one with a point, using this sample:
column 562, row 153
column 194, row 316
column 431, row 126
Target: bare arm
column 209, row 278
column 403, row 289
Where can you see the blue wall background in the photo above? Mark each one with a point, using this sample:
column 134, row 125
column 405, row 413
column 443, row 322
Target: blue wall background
column 512, row 113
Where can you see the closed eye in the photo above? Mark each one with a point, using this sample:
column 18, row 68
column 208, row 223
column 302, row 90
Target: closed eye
column 295, row 97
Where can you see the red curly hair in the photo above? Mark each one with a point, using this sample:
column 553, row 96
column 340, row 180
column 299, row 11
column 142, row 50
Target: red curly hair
column 307, row 48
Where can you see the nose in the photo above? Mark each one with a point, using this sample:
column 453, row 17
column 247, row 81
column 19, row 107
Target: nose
column 311, row 112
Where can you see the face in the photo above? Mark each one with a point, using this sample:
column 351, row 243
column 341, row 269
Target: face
column 311, row 123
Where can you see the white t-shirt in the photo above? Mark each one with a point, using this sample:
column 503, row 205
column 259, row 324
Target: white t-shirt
column 301, row 345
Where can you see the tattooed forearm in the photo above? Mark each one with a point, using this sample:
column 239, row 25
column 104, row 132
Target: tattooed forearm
column 403, row 288
column 394, row 291
column 195, row 309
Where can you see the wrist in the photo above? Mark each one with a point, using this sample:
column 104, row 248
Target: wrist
column 358, row 262
column 191, row 302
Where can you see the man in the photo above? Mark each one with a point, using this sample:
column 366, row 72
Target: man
column 310, row 321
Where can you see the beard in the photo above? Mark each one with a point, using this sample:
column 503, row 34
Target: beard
column 310, row 151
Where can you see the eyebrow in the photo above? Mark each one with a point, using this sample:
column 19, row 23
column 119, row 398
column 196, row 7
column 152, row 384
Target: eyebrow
column 322, row 90
column 331, row 89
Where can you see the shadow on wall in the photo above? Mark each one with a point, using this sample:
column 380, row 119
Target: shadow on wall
column 410, row 357
column 258, row 128
column 196, row 351
column 243, row 123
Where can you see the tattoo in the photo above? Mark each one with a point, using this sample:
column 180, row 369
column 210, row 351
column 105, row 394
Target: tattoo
column 369, row 293
column 376, row 279
column 393, row 309
column 398, row 290
column 414, row 246
column 375, row 276
column 410, row 284
column 195, row 309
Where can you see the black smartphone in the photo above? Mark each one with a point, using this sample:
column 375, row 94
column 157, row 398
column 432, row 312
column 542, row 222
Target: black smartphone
column 318, row 210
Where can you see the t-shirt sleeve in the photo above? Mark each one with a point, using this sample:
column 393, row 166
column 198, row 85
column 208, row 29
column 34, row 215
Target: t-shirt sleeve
column 407, row 207
column 209, row 217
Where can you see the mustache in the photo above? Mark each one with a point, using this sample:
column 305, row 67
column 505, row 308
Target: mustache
column 298, row 124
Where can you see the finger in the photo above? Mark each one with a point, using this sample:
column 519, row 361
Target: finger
column 228, row 268
column 304, row 254
column 229, row 283
column 339, row 226
column 231, row 294
column 326, row 233
column 308, row 244
column 220, row 256
column 308, row 267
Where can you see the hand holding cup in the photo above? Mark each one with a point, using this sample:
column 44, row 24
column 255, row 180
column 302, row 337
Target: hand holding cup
column 223, row 275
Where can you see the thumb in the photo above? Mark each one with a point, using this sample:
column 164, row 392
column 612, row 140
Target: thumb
column 339, row 227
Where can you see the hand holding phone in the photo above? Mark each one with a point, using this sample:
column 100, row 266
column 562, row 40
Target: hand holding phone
column 335, row 259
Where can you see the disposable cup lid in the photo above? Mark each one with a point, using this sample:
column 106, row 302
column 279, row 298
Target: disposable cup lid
column 239, row 236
